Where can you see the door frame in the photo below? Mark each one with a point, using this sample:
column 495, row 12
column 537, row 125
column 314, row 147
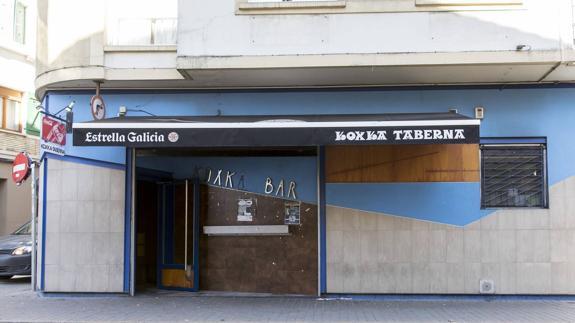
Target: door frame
column 161, row 226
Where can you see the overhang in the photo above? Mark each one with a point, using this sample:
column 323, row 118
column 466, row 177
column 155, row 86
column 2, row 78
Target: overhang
column 279, row 130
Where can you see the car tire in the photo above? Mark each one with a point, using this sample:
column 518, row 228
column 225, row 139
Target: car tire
column 5, row 277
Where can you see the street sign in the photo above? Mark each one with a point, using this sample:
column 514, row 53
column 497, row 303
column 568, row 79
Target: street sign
column 53, row 136
column 20, row 168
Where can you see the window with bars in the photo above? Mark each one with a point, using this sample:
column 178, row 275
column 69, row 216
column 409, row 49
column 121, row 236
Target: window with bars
column 514, row 176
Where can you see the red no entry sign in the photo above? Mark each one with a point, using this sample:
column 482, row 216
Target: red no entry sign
column 20, row 168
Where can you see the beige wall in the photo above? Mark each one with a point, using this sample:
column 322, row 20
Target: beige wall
column 15, row 201
column 84, row 228
column 522, row 251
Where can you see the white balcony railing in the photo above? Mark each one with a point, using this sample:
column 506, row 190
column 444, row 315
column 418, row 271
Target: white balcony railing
column 143, row 32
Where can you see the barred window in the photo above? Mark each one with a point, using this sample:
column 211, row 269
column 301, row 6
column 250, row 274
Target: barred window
column 514, row 176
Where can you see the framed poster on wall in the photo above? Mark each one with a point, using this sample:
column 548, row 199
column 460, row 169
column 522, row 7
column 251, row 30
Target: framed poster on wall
column 292, row 213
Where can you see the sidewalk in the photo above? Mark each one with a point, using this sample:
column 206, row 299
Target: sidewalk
column 19, row 304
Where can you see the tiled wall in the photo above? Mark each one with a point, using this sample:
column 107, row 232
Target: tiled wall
column 522, row 251
column 84, row 228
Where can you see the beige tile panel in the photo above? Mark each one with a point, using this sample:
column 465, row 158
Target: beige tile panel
column 438, row 246
column 455, row 278
column 522, row 251
column 85, row 229
column 533, row 278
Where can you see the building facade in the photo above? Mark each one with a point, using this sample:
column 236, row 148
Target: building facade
column 309, row 147
column 17, row 133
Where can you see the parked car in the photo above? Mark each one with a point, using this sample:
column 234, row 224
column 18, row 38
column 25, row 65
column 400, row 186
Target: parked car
column 15, row 253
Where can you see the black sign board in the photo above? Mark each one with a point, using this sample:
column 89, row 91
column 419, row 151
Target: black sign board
column 250, row 131
column 185, row 137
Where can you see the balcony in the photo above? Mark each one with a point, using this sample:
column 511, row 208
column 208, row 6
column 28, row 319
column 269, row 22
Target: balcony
column 143, row 32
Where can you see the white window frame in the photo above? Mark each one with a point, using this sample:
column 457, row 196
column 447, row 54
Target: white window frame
column 14, row 21
column 282, row 7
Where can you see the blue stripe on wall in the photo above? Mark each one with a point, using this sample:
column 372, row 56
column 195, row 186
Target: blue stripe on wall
column 449, row 203
column 322, row 221
column 44, row 201
column 127, row 220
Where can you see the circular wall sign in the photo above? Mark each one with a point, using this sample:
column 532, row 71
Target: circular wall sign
column 98, row 107
column 20, row 168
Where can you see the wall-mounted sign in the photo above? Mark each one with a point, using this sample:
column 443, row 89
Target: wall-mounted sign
column 246, row 210
column 292, row 213
column 53, row 136
column 104, row 135
column 280, row 189
column 296, row 131
column 20, row 168
column 98, row 107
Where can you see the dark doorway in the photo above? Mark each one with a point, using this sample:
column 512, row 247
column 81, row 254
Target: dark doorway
column 146, row 233
column 207, row 241
column 178, row 223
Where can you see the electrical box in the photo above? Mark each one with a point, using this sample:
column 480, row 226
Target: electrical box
column 479, row 112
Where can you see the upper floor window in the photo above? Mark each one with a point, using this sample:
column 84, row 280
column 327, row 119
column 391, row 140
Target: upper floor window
column 267, row 7
column 10, row 109
column 10, row 116
column 146, row 31
column 19, row 28
column 514, row 175
column 142, row 23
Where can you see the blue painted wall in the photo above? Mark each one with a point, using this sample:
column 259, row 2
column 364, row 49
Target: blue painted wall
column 451, row 203
column 301, row 170
column 545, row 112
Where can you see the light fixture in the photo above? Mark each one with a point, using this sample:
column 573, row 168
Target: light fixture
column 522, row 48
column 479, row 113
column 68, row 120
column 122, row 111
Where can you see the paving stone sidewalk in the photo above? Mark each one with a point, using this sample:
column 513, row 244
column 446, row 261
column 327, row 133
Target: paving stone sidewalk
column 19, row 304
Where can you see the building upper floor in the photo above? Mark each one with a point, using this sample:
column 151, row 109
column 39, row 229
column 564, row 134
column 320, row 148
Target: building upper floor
column 303, row 43
column 17, row 44
column 17, row 75
column 19, row 127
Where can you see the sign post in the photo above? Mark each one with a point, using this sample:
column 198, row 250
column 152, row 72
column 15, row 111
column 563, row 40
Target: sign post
column 22, row 167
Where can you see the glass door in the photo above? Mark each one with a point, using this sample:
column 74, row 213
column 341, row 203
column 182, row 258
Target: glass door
column 179, row 225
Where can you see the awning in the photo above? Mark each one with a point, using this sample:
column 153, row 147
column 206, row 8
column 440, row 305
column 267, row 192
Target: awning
column 270, row 131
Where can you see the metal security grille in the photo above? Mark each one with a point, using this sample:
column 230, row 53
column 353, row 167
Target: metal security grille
column 513, row 176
